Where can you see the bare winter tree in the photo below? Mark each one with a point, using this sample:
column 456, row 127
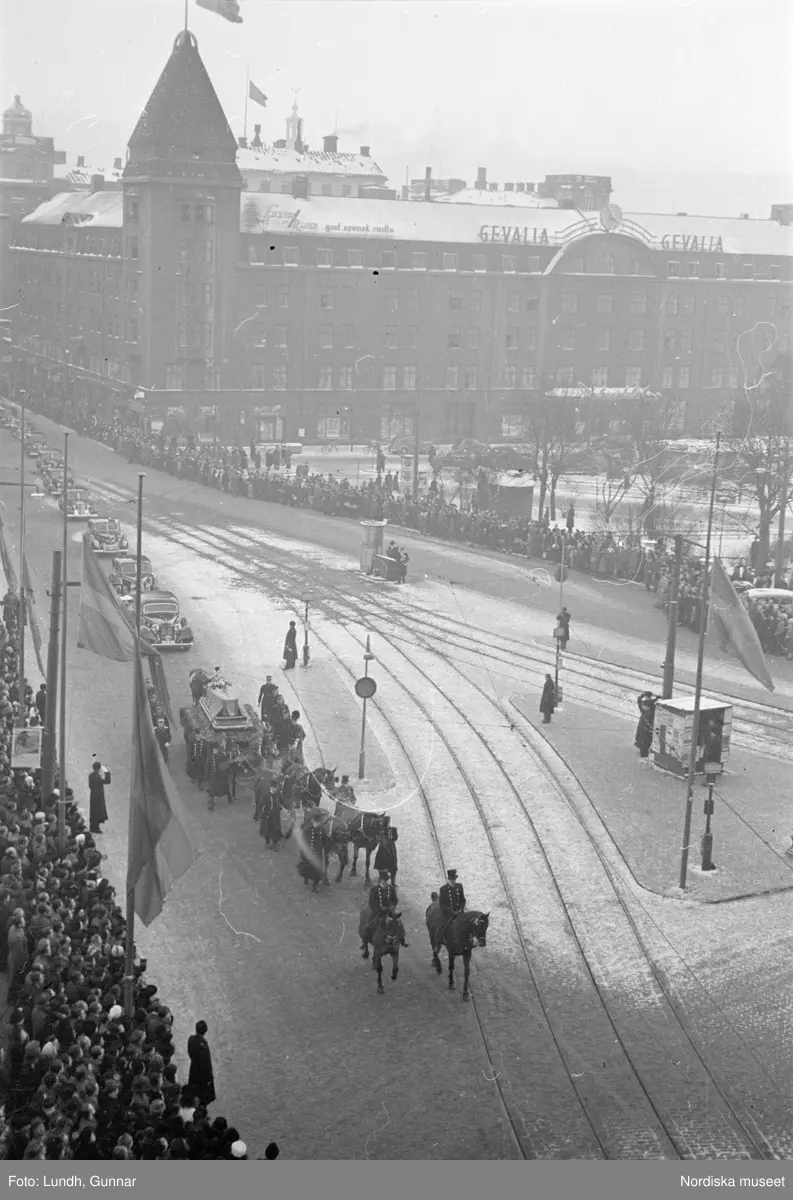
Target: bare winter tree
column 762, row 429
column 615, row 481
column 551, row 425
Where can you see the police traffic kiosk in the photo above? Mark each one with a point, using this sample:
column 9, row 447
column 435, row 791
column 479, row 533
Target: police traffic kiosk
column 674, row 722
column 372, row 533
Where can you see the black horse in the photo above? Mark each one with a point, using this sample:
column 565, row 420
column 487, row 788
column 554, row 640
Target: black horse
column 459, row 936
column 388, row 936
column 363, row 828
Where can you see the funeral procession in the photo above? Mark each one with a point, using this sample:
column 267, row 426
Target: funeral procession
column 397, row 622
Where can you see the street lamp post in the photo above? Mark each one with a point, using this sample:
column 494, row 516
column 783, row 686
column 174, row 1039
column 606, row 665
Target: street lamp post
column 779, row 565
column 306, row 598
column 365, row 688
column 711, row 770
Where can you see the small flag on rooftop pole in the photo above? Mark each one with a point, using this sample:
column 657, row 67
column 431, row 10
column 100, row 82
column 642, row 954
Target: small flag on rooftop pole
column 104, row 627
column 256, row 95
column 734, row 627
column 160, row 849
column 229, row 9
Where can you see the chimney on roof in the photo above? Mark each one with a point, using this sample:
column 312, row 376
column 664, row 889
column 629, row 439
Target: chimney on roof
column 509, row 187
column 481, row 179
column 280, row 144
column 97, row 183
column 493, row 187
column 744, row 216
column 682, row 214
column 520, row 187
column 365, row 151
column 116, row 164
column 243, row 143
column 80, row 160
column 330, row 143
column 256, row 144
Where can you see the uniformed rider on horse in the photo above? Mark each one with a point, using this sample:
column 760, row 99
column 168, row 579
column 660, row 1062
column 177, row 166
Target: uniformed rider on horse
column 451, row 899
column 383, row 900
column 385, row 858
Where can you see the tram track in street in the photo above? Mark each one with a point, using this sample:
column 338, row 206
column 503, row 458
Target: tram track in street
column 680, row 1141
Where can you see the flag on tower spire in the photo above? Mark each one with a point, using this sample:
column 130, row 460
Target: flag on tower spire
column 228, row 9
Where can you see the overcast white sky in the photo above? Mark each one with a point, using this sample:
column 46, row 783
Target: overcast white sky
column 687, row 104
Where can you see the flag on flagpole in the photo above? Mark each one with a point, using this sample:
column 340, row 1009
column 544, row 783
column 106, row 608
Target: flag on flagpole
column 255, row 94
column 229, row 9
column 104, row 627
column 160, row 848
column 734, row 627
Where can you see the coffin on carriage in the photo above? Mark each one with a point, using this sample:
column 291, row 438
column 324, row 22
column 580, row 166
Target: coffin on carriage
column 220, row 731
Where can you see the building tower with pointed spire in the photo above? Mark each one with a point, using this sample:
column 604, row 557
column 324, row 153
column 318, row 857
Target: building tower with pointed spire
column 181, row 190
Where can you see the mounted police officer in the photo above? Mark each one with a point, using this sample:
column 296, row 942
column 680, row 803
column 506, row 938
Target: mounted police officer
column 382, row 901
column 452, row 897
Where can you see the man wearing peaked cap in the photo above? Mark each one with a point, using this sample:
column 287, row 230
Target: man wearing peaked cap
column 452, row 897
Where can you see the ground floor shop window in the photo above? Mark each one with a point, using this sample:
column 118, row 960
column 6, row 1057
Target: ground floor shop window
column 397, row 420
column 512, row 426
column 333, row 422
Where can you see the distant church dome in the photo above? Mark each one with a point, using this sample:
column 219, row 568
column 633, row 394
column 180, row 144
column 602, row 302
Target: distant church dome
column 18, row 119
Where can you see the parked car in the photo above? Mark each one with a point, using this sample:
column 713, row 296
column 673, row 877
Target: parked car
column 161, row 624
column 105, row 536
column 78, row 504
column 34, row 444
column 124, row 572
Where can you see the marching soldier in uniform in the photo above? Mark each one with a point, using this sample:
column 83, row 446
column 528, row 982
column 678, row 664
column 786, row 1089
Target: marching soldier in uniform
column 382, row 900
column 267, row 694
column 346, row 804
column 270, row 826
column 452, row 898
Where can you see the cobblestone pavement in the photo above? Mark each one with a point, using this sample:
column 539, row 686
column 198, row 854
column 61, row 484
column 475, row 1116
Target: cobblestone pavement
column 553, row 1057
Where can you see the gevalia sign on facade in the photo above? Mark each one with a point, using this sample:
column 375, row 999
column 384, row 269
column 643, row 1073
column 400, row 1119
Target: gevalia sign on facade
column 527, row 235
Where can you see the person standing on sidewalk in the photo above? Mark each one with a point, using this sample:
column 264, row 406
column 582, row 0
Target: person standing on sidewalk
column 570, row 520
column 548, row 700
column 97, row 780
column 290, row 647
column 201, row 1078
column 564, row 620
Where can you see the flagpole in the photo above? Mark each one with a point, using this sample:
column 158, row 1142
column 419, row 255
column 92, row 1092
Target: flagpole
column 186, row 2
column 65, row 603
column 247, row 89
column 129, row 964
column 22, row 600
column 703, row 624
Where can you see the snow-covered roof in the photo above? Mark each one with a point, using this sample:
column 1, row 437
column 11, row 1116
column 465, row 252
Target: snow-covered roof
column 274, row 161
column 105, row 209
column 80, row 177
column 395, row 220
column 497, row 199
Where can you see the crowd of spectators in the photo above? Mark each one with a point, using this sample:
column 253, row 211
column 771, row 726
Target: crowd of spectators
column 80, row 1079
column 772, row 620
column 267, row 477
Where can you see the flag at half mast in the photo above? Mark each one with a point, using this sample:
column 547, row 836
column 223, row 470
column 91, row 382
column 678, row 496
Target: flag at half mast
column 160, row 849
column 104, row 627
column 255, row 94
column 229, row 9
column 733, row 625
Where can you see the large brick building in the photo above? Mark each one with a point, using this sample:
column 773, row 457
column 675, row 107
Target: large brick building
column 253, row 315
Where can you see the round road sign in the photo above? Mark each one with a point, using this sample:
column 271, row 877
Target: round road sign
column 365, row 688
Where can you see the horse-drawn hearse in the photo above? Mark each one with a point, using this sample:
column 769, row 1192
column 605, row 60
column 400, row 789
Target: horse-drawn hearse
column 223, row 736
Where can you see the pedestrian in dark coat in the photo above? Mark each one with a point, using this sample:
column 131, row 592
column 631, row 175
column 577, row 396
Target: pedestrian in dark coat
column 644, row 730
column 570, row 520
column 564, row 620
column 97, row 780
column 163, row 736
column 548, row 700
column 201, row 1078
column 270, row 827
column 290, row 647
column 41, row 701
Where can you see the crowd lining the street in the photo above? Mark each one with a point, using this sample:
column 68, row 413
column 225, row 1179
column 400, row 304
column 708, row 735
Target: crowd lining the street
column 264, row 476
column 80, row 1080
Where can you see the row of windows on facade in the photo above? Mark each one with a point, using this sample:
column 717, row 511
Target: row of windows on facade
column 606, row 303
column 285, row 187
column 419, row 260
column 198, row 214
column 466, row 378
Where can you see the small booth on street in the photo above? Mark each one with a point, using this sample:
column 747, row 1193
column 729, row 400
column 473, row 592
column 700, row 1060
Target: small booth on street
column 372, row 534
column 674, row 722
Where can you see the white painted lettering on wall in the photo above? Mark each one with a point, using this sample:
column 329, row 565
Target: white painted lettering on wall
column 685, row 241
column 522, row 235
